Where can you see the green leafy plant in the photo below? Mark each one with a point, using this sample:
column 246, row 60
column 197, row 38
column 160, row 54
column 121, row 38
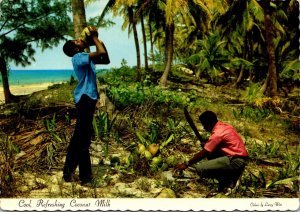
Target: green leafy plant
column 103, row 126
column 253, row 93
column 7, row 166
column 212, row 58
column 256, row 114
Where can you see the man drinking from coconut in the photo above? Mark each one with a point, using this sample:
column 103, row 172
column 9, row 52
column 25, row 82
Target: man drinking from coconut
column 224, row 149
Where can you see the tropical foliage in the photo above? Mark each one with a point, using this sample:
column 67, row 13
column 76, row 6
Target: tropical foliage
column 25, row 23
column 260, row 45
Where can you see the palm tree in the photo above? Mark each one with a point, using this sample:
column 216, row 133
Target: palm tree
column 132, row 19
column 260, row 20
column 193, row 25
column 140, row 13
column 172, row 8
column 245, row 17
column 212, row 57
column 155, row 18
column 144, row 42
column 161, row 14
column 275, row 31
column 287, row 50
column 126, row 8
column 168, row 55
column 79, row 18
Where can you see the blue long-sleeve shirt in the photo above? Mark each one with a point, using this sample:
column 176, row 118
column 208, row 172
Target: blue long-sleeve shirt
column 84, row 69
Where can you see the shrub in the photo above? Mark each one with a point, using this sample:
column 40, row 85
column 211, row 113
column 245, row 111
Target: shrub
column 255, row 114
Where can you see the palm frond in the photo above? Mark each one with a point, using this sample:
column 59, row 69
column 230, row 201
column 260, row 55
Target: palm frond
column 106, row 9
column 256, row 10
column 291, row 70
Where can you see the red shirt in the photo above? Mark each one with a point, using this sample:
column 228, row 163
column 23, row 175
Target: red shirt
column 225, row 140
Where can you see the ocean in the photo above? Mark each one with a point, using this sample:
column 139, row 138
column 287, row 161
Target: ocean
column 25, row 77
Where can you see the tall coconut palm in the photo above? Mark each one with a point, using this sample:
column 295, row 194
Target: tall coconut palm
column 271, row 80
column 194, row 25
column 244, row 17
column 161, row 14
column 79, row 18
column 126, row 8
column 132, row 19
column 264, row 20
column 172, row 8
column 275, row 31
column 196, row 16
column 168, row 55
column 140, row 13
column 144, row 42
column 155, row 17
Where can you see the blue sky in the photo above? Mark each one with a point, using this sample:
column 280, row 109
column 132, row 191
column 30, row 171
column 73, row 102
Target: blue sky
column 117, row 42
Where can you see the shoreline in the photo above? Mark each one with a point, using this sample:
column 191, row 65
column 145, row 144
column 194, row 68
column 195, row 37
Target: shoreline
column 25, row 89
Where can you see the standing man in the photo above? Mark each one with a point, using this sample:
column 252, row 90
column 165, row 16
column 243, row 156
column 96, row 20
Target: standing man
column 224, row 149
column 85, row 96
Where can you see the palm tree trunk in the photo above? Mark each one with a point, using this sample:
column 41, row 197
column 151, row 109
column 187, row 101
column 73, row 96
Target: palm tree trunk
column 271, row 80
column 4, row 73
column 151, row 44
column 79, row 19
column 250, row 55
column 137, row 46
column 242, row 71
column 264, row 87
column 240, row 77
column 144, row 42
column 168, row 54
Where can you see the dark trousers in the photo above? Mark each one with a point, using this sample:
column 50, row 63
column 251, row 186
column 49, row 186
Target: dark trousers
column 78, row 150
column 226, row 170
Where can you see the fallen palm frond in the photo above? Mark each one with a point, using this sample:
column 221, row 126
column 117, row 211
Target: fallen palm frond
column 7, row 166
column 29, row 138
column 268, row 162
column 39, row 149
column 285, row 182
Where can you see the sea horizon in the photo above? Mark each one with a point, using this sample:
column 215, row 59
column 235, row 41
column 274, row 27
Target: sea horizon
column 39, row 76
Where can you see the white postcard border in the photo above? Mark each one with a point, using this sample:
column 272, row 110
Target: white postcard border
column 148, row 204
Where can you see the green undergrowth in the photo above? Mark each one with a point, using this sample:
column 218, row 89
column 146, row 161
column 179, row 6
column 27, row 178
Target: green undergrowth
column 147, row 134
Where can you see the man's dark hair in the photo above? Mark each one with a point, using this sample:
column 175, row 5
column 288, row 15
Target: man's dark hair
column 208, row 117
column 69, row 48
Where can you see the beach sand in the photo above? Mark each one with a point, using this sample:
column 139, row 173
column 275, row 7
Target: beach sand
column 24, row 89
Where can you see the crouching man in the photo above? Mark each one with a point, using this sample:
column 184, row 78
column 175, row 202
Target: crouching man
column 224, row 149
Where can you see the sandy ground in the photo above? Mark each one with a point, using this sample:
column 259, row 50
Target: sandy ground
column 24, row 89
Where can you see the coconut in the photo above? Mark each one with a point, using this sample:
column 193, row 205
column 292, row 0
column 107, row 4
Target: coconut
column 141, row 148
column 167, row 193
column 156, row 161
column 171, row 160
column 155, row 164
column 147, row 154
column 125, row 161
column 153, row 148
